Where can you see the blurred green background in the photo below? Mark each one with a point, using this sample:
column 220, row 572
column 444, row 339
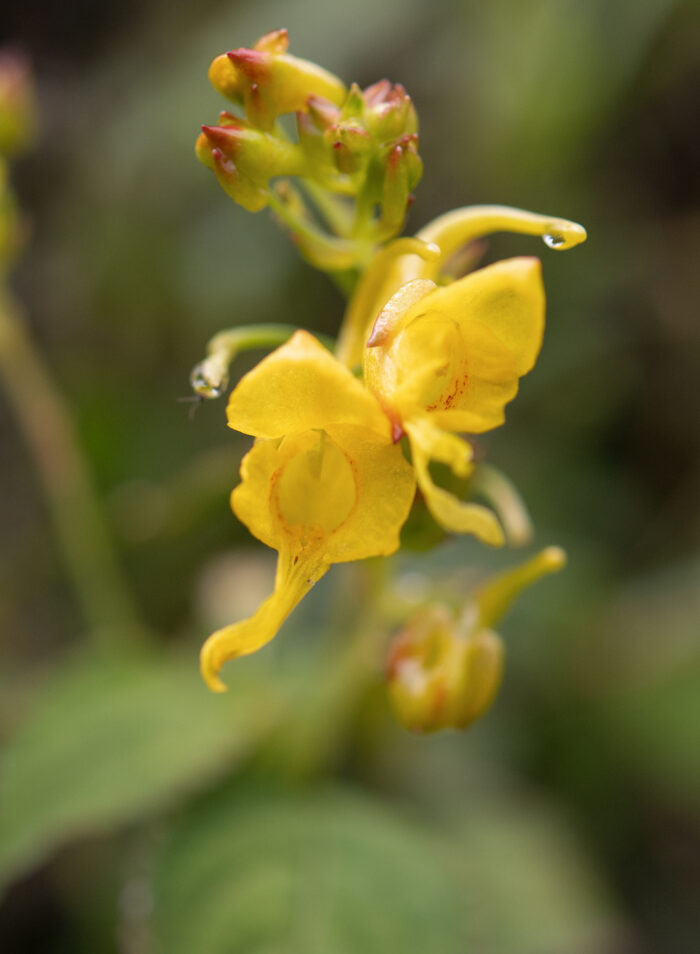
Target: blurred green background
column 140, row 814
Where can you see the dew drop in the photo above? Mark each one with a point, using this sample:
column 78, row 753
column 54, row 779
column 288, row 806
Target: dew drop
column 204, row 384
column 553, row 240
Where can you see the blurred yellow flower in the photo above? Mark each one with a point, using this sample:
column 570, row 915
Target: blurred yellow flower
column 322, row 484
column 445, row 667
column 446, row 360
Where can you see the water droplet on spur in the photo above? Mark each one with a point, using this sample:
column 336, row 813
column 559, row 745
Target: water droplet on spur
column 204, row 385
column 553, row 240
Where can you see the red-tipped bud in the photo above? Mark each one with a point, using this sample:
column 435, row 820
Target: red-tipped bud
column 258, row 154
column 323, row 112
column 240, row 188
column 351, row 146
column 227, row 118
column 390, row 113
column 396, row 189
column 245, row 159
column 277, row 41
column 225, row 79
column 345, row 161
column 271, row 82
column 377, row 92
column 252, row 64
column 203, row 150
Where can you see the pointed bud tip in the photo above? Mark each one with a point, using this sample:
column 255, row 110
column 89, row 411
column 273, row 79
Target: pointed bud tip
column 276, row 41
column 225, row 139
column 247, row 61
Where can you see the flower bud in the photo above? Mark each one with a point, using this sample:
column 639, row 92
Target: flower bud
column 351, row 145
column 247, row 159
column 354, row 106
column 225, row 79
column 354, row 144
column 389, row 112
column 240, row 188
column 444, row 669
column 440, row 677
column 270, row 82
column 402, row 174
column 322, row 111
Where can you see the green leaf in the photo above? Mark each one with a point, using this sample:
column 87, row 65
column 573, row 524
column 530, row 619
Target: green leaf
column 322, row 874
column 335, row 873
column 527, row 886
column 114, row 739
column 652, row 731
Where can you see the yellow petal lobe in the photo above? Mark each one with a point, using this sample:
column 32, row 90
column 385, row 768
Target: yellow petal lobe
column 458, row 352
column 385, row 486
column 453, row 514
column 294, row 579
column 507, row 299
column 298, row 387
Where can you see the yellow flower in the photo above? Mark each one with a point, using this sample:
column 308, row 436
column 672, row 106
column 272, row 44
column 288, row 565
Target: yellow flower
column 425, row 256
column 322, row 484
column 445, row 360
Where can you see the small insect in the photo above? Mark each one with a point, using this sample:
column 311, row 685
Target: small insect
column 194, row 400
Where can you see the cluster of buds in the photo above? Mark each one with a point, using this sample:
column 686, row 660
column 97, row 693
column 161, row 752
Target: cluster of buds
column 445, row 667
column 368, row 149
column 355, row 152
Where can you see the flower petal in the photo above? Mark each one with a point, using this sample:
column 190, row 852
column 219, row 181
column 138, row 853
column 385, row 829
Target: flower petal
column 385, row 487
column 507, row 299
column 298, row 387
column 455, row 515
column 318, row 498
column 459, row 351
column 295, row 577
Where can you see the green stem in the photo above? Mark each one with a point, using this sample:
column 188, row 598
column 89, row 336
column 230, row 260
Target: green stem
column 323, row 715
column 47, row 428
column 335, row 211
column 209, row 378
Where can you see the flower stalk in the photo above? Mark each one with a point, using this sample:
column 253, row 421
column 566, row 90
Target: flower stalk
column 431, row 348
